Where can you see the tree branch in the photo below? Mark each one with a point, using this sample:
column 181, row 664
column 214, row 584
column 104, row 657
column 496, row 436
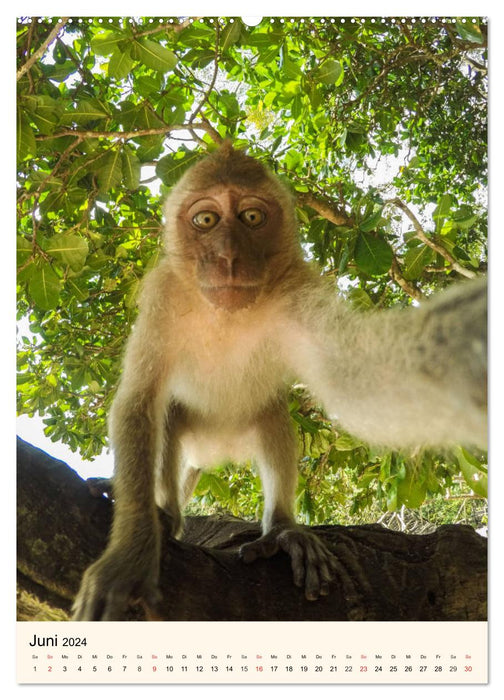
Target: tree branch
column 325, row 209
column 41, row 49
column 406, row 286
column 422, row 236
column 164, row 130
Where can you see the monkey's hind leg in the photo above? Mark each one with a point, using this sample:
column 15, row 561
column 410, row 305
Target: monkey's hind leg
column 313, row 565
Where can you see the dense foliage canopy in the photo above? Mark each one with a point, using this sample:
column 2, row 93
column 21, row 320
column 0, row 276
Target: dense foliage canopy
column 379, row 126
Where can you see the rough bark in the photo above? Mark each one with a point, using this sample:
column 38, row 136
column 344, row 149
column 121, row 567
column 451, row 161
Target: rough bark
column 384, row 575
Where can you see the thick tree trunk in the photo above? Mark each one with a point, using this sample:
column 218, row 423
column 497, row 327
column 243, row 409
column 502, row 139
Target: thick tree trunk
column 384, row 575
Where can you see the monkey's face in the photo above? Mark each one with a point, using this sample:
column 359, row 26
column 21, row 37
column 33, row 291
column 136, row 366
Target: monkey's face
column 232, row 237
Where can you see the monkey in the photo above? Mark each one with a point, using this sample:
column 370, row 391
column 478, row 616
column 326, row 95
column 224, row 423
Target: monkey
column 228, row 317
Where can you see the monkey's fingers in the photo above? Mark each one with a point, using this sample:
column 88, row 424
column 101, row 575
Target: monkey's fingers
column 313, row 565
column 263, row 548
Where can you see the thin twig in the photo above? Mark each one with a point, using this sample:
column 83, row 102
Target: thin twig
column 41, row 49
column 170, row 27
column 214, row 78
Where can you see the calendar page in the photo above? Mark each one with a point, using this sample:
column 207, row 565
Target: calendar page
column 286, row 504
column 252, row 652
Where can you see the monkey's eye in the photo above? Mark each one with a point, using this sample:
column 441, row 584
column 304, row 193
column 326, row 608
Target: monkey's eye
column 252, row 217
column 205, row 220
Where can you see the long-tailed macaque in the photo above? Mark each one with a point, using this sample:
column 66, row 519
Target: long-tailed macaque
column 229, row 316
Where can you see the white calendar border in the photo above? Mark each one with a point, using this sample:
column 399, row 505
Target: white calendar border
column 359, row 7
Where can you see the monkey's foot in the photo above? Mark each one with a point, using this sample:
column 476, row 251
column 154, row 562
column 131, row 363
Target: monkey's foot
column 115, row 580
column 313, row 565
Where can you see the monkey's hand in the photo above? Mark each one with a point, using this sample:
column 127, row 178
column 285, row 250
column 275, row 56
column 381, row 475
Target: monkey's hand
column 121, row 575
column 313, row 565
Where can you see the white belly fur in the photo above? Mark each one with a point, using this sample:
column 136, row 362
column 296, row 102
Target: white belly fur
column 228, row 374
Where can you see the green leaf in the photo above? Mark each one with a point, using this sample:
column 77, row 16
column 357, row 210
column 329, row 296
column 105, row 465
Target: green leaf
column 415, row 261
column 442, row 210
column 150, row 147
column 231, row 34
column 72, row 250
column 219, row 487
column 46, row 113
column 77, row 288
column 411, row 490
column 360, row 299
column 155, row 56
column 296, row 106
column 86, row 111
column 120, row 64
column 44, row 287
column 464, row 217
column 293, row 159
column 371, row 222
column 26, row 145
column 105, row 43
column 130, row 169
column 473, row 472
column 23, row 250
column 53, row 202
column 330, row 72
column 170, row 168
column 470, row 31
column 345, row 443
column 308, row 425
column 373, row 255
column 291, row 70
column 110, row 173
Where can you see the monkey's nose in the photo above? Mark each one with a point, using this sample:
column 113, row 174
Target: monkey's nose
column 227, row 255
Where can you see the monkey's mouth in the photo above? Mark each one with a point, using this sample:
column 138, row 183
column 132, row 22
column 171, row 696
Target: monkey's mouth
column 231, row 296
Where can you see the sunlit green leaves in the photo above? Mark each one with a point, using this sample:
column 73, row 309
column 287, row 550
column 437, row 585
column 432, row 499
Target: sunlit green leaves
column 120, row 63
column 231, row 34
column 104, row 43
column 84, row 112
column 154, row 56
column 69, row 249
column 346, row 113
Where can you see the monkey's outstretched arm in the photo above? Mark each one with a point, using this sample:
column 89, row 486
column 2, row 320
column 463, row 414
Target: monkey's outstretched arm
column 402, row 378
